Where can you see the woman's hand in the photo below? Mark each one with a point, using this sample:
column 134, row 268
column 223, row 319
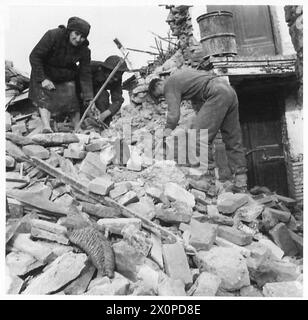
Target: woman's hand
column 47, row 84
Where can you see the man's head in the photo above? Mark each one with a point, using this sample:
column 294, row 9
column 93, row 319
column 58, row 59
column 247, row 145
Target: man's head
column 110, row 63
column 79, row 30
column 156, row 89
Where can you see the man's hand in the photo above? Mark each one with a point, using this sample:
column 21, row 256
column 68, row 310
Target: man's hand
column 47, row 84
column 104, row 115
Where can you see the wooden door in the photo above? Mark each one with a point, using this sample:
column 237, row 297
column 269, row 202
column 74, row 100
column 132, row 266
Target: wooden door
column 260, row 116
column 253, row 29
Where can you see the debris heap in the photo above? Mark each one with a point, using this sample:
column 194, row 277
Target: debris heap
column 90, row 214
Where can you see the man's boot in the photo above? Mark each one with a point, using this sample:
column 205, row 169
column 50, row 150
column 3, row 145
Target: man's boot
column 240, row 183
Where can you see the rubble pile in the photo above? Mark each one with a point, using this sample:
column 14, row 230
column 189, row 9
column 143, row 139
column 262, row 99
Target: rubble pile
column 88, row 214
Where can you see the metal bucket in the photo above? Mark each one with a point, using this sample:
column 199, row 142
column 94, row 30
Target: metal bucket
column 217, row 33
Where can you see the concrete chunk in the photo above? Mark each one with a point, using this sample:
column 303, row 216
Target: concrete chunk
column 19, row 128
column 101, row 185
column 174, row 192
column 228, row 203
column 154, row 192
column 228, row 264
column 234, row 235
column 117, row 224
column 144, row 207
column 33, row 150
column 176, row 264
column 202, row 235
column 283, row 289
column 250, row 291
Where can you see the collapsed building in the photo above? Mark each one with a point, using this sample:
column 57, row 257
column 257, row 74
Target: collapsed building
column 91, row 214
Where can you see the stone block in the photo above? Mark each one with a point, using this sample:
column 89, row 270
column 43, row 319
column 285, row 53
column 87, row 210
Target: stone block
column 199, row 195
column 176, row 263
column 127, row 198
column 60, row 272
column 227, row 244
column 228, row 264
column 283, row 289
column 75, row 151
column 298, row 241
column 281, row 236
column 154, row 192
column 171, row 287
column 115, row 225
column 228, row 203
column 108, row 154
column 8, row 121
column 234, row 235
column 16, row 208
column 101, row 185
column 9, row 162
column 34, row 123
column 269, row 221
column 250, row 291
column 118, row 191
column 174, row 192
column 137, row 238
column 97, row 145
column 134, row 163
column 282, row 216
column 214, row 216
column 144, row 207
column 19, row 128
column 119, row 286
column 206, row 284
column 171, row 216
column 33, row 150
column 20, row 263
column 276, row 252
column 156, row 252
column 92, row 166
column 127, row 260
column 202, row 235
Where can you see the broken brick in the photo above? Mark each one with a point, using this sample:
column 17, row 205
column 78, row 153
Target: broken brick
column 275, row 250
column 19, row 128
column 101, row 185
column 176, row 264
column 249, row 213
column 33, row 150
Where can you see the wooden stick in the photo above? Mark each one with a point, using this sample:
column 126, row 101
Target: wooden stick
column 100, row 91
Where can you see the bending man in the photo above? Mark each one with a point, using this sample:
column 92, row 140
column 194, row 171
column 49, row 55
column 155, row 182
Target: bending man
column 216, row 106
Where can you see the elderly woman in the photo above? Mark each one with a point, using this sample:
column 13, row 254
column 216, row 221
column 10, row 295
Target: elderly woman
column 60, row 64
